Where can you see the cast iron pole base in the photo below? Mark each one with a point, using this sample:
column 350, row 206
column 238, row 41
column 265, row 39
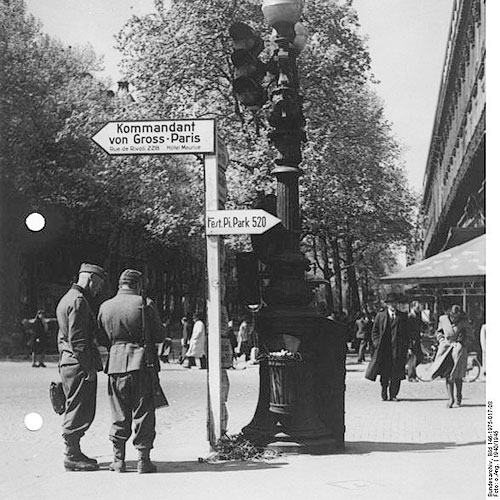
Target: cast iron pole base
column 314, row 422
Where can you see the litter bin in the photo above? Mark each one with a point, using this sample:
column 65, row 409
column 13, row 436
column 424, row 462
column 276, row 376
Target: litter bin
column 283, row 371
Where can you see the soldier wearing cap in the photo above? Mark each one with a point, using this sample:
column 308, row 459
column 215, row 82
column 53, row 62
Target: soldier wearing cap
column 79, row 362
column 129, row 383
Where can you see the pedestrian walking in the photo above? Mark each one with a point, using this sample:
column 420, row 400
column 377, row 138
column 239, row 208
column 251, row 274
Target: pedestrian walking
column 455, row 335
column 226, row 363
column 233, row 341
column 390, row 341
column 363, row 334
column 415, row 328
column 187, row 331
column 243, row 338
column 165, row 349
column 79, row 362
column 197, row 343
column 38, row 340
column 130, row 386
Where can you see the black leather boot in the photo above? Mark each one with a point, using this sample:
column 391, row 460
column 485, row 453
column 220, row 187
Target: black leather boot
column 74, row 459
column 144, row 464
column 118, row 464
column 84, row 457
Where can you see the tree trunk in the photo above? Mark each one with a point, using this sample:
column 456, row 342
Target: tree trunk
column 337, row 270
column 365, row 290
column 352, row 281
column 327, row 272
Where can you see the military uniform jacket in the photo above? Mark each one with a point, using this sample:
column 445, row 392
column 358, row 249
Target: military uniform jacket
column 120, row 319
column 76, row 338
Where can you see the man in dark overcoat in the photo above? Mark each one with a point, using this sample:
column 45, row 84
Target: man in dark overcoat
column 390, row 341
column 129, row 381
column 79, row 362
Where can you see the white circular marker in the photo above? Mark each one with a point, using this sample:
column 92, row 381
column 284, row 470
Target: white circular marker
column 35, row 221
column 33, row 421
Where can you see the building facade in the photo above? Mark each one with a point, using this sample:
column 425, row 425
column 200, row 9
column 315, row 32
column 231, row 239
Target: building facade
column 453, row 206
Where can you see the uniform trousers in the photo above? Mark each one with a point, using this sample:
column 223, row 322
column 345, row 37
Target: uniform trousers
column 131, row 400
column 80, row 400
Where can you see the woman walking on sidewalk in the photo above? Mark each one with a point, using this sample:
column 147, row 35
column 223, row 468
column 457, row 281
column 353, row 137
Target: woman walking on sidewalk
column 197, row 343
column 454, row 335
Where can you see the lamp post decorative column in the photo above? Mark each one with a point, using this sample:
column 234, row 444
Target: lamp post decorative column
column 301, row 393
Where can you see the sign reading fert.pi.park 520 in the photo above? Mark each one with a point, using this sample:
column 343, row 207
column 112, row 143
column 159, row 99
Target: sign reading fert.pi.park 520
column 157, row 137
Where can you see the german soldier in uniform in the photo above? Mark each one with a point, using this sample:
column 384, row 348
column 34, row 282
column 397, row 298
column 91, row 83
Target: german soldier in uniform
column 129, row 382
column 79, row 362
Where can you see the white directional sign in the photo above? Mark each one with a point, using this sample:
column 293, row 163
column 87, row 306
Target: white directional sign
column 239, row 221
column 157, row 137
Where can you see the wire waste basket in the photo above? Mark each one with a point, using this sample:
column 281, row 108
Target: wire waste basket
column 284, row 374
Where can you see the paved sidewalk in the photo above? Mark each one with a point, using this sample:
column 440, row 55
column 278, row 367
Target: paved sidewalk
column 415, row 449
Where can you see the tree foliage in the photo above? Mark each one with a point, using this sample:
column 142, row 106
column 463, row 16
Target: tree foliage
column 178, row 62
column 354, row 189
column 51, row 107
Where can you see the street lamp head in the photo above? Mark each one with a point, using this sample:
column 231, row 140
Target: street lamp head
column 282, row 12
column 300, row 40
column 301, row 35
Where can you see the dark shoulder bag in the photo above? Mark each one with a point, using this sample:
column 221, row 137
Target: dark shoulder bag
column 57, row 397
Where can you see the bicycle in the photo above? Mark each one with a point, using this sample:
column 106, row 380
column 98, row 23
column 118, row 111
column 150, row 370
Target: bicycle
column 429, row 348
column 474, row 367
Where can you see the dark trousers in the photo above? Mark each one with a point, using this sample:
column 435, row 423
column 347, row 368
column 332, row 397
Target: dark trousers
column 183, row 357
column 362, row 348
column 80, row 401
column 414, row 359
column 131, row 401
column 390, row 383
column 412, row 366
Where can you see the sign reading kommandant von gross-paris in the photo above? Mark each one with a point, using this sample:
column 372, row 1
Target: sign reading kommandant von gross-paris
column 157, row 137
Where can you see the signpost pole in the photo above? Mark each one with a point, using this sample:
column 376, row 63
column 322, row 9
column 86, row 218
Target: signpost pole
column 213, row 184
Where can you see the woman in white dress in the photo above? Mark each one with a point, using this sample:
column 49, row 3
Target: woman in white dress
column 197, row 343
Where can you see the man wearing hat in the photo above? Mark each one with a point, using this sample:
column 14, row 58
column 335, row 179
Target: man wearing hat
column 129, row 383
column 79, row 362
column 390, row 341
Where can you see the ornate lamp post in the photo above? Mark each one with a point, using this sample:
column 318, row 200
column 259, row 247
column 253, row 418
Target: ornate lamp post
column 301, row 396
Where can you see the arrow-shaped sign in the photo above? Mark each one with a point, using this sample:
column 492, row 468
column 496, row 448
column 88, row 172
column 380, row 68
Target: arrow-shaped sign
column 157, row 137
column 256, row 221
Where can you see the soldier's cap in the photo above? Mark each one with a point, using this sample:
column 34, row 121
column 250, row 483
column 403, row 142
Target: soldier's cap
column 94, row 269
column 130, row 277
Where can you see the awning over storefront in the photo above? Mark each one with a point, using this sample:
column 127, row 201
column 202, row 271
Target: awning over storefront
column 466, row 262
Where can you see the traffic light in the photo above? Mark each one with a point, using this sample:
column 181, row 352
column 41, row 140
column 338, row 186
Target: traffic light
column 249, row 70
column 286, row 111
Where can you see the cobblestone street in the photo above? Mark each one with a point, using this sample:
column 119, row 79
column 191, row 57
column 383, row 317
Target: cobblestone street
column 414, row 449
